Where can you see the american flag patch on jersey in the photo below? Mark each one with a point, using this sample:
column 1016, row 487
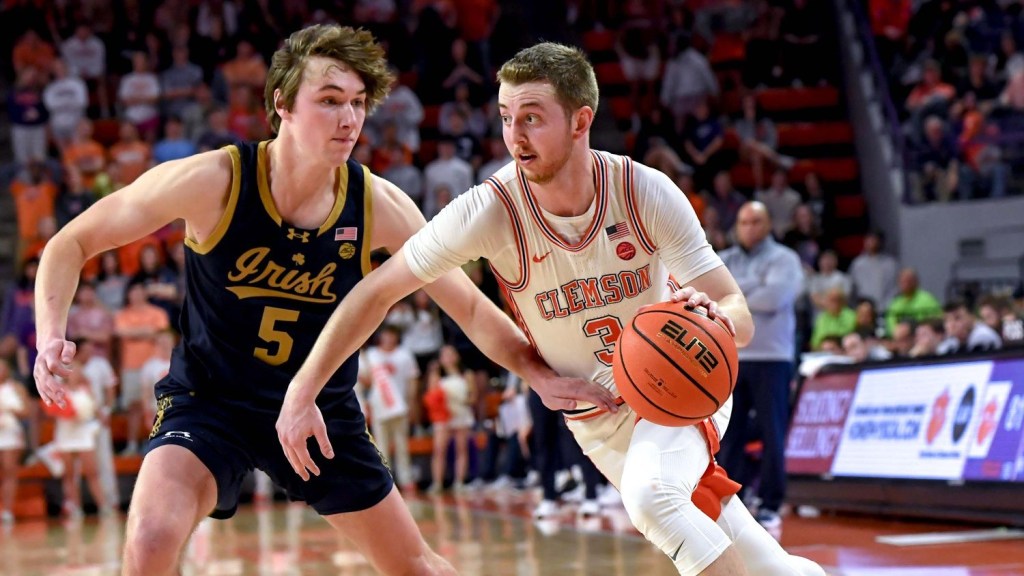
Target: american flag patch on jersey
column 346, row 233
column 619, row 230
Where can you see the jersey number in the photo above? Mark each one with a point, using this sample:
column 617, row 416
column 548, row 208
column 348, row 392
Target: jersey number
column 607, row 328
column 270, row 334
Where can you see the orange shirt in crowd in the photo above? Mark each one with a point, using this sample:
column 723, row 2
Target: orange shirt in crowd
column 699, row 204
column 436, row 403
column 89, row 157
column 34, row 250
column 39, row 56
column 132, row 159
column 129, row 253
column 135, row 351
column 32, row 204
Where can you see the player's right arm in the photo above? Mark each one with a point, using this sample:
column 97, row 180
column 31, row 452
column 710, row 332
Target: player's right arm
column 194, row 189
column 673, row 226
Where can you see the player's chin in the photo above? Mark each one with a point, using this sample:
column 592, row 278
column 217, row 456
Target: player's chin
column 337, row 151
column 536, row 176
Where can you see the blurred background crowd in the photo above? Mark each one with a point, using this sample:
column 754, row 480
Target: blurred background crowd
column 734, row 100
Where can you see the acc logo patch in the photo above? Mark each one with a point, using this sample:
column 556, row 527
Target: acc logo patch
column 347, row 250
column 625, row 250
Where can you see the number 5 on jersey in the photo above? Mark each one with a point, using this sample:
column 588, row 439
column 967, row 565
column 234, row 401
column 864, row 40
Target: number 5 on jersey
column 270, row 333
column 608, row 329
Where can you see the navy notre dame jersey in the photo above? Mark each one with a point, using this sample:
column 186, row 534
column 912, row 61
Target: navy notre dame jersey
column 259, row 291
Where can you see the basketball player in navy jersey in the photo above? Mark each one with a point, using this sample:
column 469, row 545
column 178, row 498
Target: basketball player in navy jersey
column 278, row 233
column 581, row 240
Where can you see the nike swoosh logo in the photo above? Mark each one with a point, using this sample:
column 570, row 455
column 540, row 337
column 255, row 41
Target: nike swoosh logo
column 539, row 259
column 676, row 553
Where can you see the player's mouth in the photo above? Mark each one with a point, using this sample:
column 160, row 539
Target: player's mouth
column 526, row 158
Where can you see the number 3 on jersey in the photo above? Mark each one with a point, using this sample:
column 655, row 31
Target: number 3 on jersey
column 270, row 333
column 608, row 329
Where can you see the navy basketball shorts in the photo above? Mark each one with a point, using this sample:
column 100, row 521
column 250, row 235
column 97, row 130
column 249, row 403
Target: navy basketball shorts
column 231, row 443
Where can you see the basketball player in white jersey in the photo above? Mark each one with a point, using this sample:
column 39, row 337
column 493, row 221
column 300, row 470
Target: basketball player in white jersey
column 580, row 240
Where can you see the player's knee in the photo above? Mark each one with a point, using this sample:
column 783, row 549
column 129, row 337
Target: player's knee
column 644, row 499
column 152, row 545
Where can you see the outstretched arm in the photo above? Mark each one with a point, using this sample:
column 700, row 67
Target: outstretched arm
column 351, row 324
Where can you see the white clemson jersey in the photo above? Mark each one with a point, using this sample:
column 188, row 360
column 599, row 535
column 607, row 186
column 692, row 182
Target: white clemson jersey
column 572, row 282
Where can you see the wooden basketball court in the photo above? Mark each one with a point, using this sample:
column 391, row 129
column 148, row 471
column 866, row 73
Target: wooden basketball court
column 489, row 533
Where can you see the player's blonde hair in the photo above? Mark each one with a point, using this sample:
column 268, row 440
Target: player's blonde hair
column 355, row 47
column 566, row 68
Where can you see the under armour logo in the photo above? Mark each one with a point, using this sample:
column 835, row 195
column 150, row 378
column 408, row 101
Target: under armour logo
column 292, row 235
column 178, row 434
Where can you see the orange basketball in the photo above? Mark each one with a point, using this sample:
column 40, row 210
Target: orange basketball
column 674, row 366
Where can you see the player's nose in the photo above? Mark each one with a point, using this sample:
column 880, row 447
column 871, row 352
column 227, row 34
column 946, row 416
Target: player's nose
column 516, row 132
column 346, row 115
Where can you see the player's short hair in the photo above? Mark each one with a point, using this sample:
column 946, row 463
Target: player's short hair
column 566, row 68
column 355, row 47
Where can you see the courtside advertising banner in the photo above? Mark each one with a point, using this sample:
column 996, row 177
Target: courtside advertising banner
column 996, row 450
column 949, row 421
column 818, row 421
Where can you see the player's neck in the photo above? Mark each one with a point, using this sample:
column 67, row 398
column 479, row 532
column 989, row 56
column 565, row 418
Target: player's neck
column 571, row 191
column 293, row 177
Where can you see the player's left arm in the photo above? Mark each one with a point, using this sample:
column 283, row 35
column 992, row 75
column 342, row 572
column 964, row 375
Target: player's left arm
column 675, row 230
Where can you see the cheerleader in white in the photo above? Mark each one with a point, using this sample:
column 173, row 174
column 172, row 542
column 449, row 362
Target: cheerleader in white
column 76, row 438
column 448, row 379
column 13, row 406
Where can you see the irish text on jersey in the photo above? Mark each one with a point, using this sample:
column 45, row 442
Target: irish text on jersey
column 585, row 293
column 256, row 275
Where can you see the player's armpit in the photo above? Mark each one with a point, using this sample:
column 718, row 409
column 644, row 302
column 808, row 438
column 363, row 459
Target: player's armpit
column 395, row 216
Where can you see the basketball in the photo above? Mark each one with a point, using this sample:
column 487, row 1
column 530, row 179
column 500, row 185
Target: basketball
column 675, row 366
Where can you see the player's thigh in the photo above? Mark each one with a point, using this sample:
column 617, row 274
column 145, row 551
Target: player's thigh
column 403, row 551
column 669, row 456
column 605, row 439
column 173, row 492
column 357, row 477
column 217, row 438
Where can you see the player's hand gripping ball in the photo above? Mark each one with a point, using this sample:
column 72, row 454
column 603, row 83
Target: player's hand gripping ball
column 673, row 365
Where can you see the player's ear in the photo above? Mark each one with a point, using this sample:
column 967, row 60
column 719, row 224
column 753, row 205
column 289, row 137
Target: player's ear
column 280, row 106
column 582, row 120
